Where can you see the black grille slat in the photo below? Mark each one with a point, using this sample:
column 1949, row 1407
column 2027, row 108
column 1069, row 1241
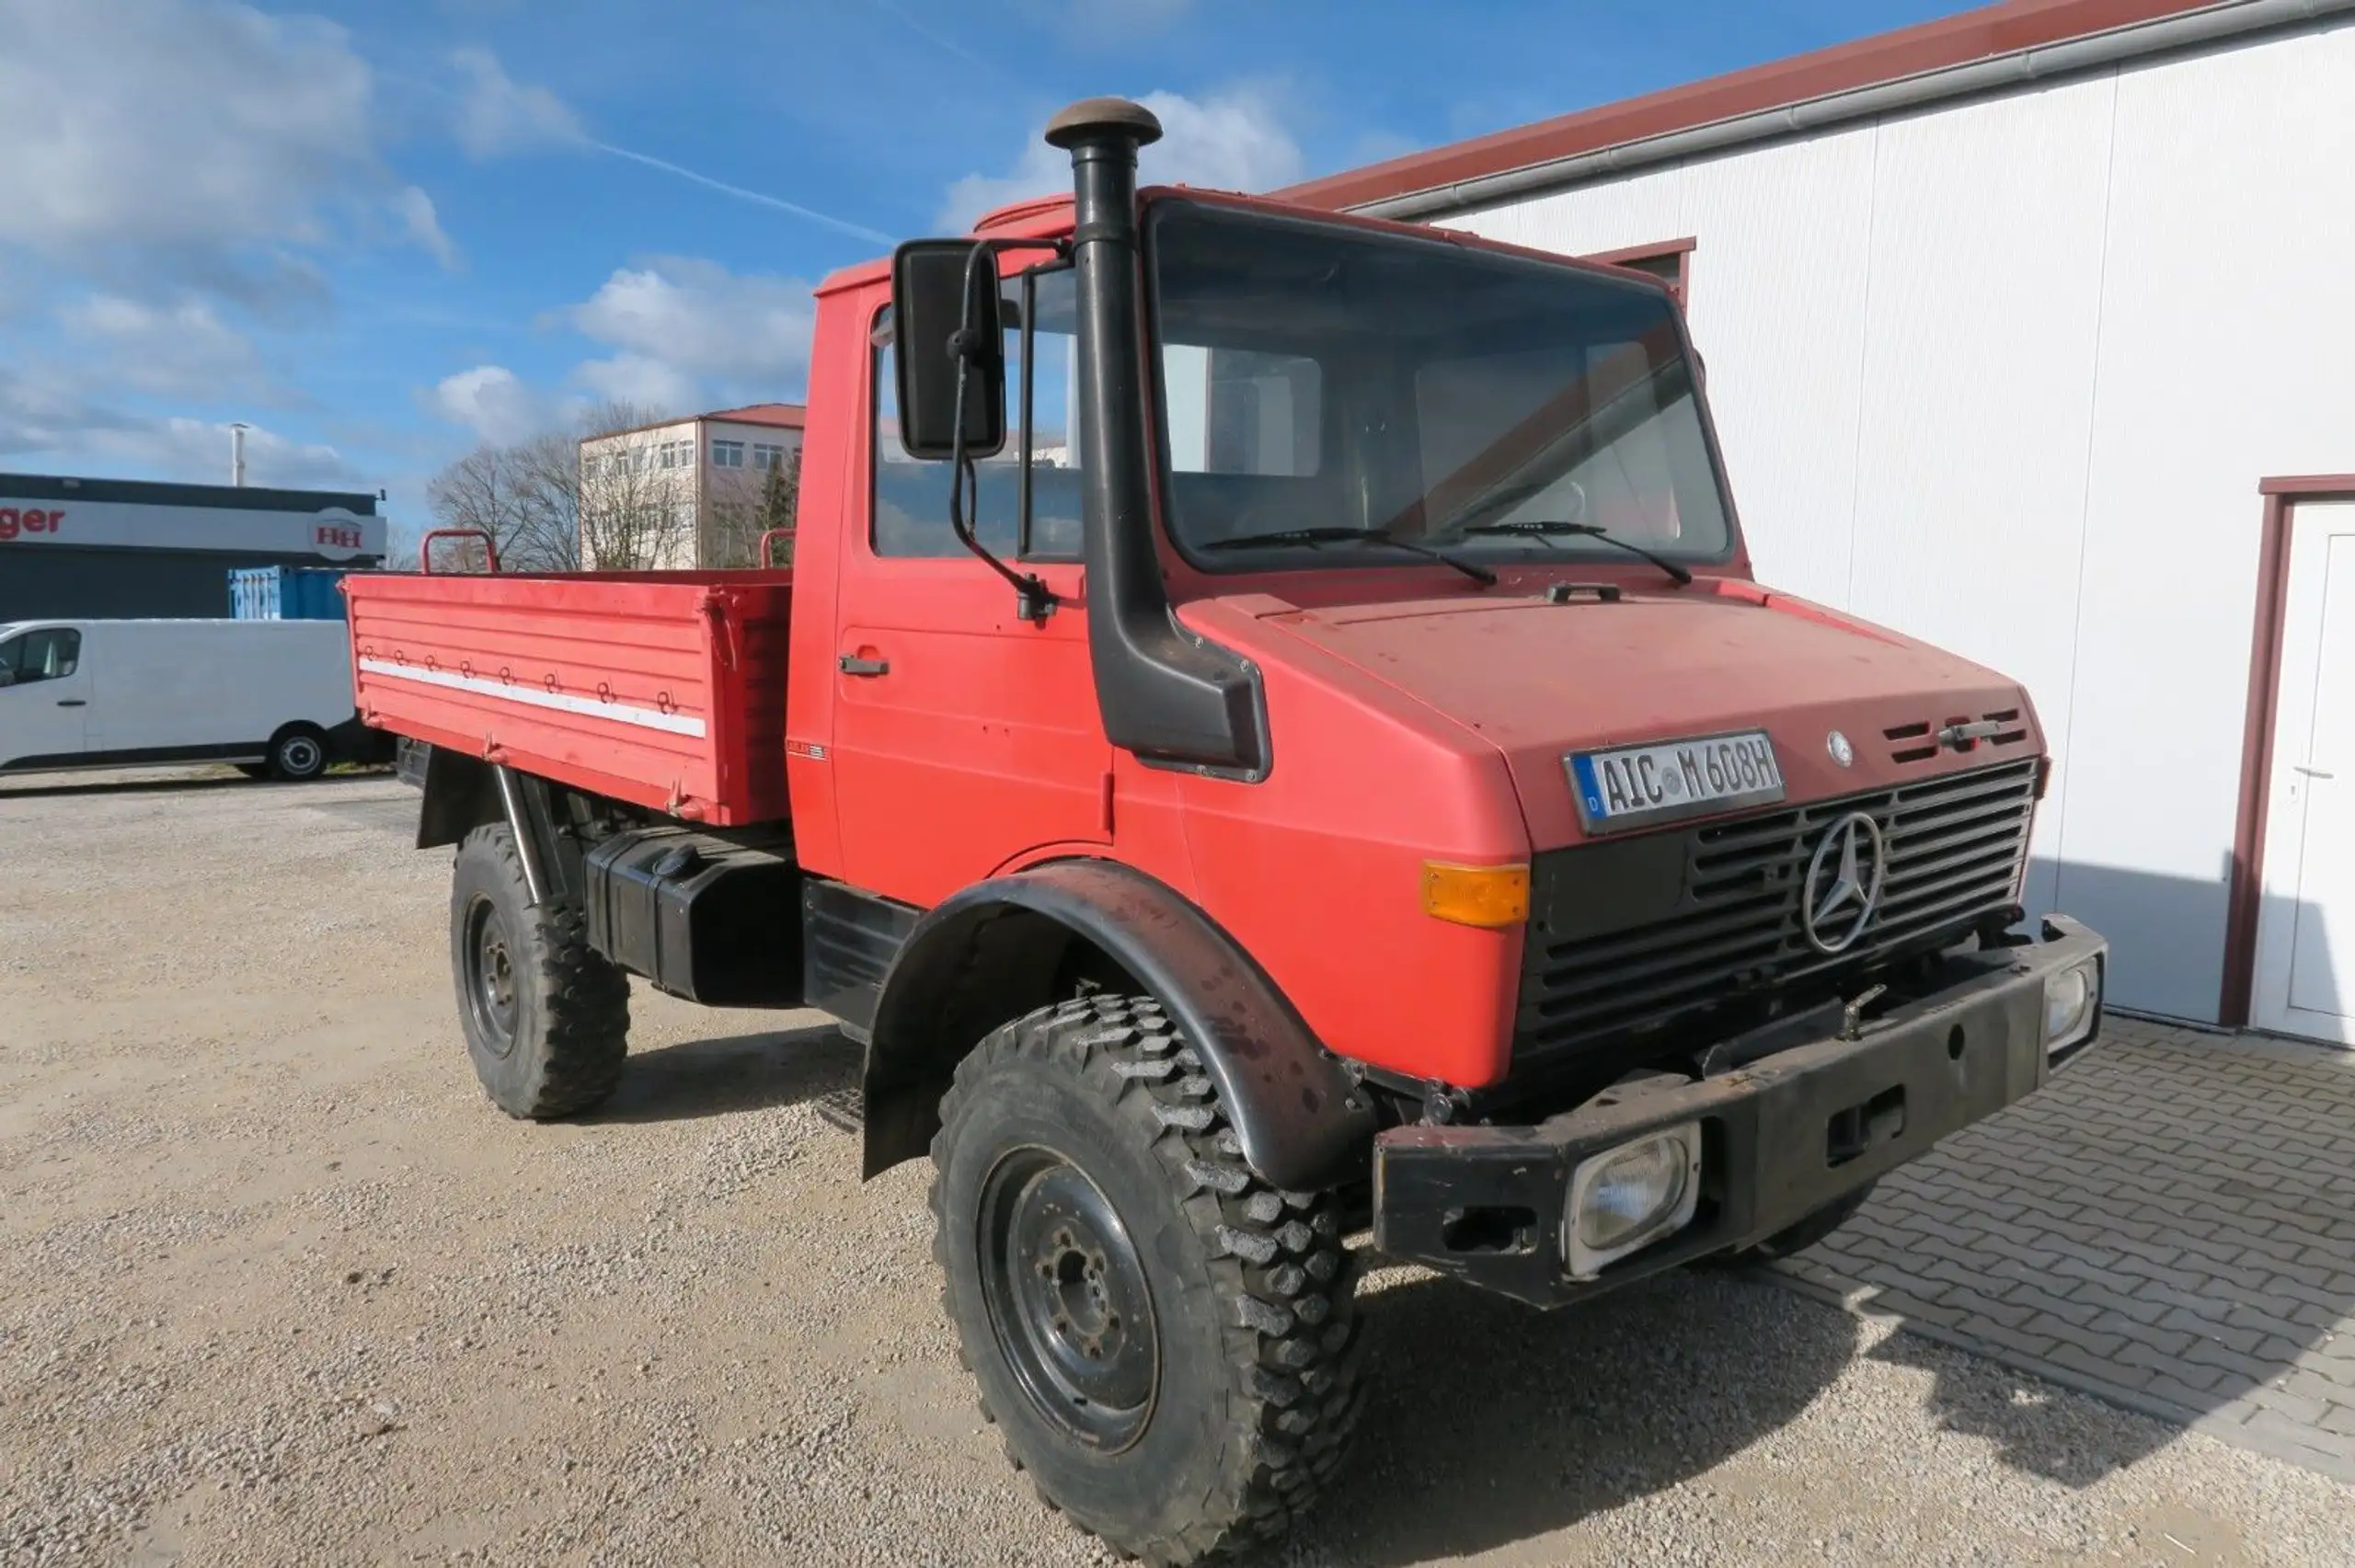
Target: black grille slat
column 1953, row 846
column 1649, row 939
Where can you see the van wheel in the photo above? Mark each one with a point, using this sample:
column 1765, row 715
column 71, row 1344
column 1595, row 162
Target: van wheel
column 298, row 753
column 1166, row 1342
column 546, row 1018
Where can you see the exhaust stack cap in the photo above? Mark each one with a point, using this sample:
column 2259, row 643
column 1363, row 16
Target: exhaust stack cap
column 1095, row 119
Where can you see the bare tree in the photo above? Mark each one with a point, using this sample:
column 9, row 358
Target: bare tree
column 544, row 515
column 739, row 520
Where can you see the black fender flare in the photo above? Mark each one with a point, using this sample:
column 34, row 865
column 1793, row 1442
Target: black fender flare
column 1303, row 1122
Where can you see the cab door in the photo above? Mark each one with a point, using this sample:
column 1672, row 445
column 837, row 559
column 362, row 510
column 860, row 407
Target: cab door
column 964, row 735
column 44, row 697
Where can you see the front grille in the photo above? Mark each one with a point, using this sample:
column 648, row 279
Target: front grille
column 1636, row 934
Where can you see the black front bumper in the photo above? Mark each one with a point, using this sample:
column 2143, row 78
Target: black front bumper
column 1782, row 1136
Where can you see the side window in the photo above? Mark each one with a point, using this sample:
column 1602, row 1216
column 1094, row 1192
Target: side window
column 910, row 514
column 47, row 655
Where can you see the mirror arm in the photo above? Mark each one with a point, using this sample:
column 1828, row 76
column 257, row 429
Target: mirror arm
column 1034, row 600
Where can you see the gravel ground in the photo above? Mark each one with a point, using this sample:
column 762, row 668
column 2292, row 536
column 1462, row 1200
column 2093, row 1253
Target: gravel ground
column 276, row 1285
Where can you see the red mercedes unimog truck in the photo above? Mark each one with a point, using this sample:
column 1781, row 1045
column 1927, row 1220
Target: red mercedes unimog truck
column 1270, row 733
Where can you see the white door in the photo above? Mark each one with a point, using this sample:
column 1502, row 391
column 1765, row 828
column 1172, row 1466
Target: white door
column 2306, row 931
column 44, row 697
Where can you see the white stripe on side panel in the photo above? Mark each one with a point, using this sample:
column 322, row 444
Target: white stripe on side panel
column 588, row 707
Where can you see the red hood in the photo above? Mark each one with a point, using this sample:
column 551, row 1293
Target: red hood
column 1538, row 681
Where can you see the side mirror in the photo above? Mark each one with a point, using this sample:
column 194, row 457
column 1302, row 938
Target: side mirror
column 941, row 328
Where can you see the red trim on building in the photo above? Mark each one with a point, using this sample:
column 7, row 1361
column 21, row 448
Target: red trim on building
column 785, row 415
column 1985, row 33
column 1678, row 252
column 2245, row 889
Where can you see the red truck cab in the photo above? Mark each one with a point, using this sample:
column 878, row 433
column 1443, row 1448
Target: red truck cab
column 1269, row 734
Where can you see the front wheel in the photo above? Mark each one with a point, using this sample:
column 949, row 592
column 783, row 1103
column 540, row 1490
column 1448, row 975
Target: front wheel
column 546, row 1016
column 1166, row 1342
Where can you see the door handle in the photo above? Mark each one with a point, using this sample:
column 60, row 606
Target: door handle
column 2312, row 772
column 73, row 702
column 853, row 665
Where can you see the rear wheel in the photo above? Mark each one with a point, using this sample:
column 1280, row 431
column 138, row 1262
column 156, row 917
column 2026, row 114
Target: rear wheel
column 546, row 1018
column 298, row 753
column 1166, row 1342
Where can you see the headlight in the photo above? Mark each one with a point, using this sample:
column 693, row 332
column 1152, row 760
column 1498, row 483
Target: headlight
column 2069, row 998
column 1631, row 1196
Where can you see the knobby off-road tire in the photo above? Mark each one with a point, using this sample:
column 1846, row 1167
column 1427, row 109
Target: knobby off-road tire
column 547, row 1019
column 1085, row 1170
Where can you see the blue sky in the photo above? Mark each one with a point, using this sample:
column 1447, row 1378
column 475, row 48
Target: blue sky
column 380, row 230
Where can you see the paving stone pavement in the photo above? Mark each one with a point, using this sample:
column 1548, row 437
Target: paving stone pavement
column 2170, row 1224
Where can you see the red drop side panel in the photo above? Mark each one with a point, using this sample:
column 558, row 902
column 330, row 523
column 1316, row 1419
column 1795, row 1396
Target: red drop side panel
column 665, row 689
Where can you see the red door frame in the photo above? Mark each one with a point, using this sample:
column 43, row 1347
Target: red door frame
column 2247, row 881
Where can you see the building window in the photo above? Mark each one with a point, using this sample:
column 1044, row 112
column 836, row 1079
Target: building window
column 678, row 454
column 1671, row 261
column 767, row 455
column 728, row 454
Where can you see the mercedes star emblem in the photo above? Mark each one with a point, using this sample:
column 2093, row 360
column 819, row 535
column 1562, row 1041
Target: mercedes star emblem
column 1842, row 886
column 1842, row 752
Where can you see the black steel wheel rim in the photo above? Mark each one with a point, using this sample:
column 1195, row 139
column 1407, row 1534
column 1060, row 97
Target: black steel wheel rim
column 1067, row 1298
column 490, row 975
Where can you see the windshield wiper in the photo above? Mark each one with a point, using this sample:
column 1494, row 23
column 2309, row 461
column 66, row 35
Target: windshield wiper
column 1334, row 535
column 1547, row 528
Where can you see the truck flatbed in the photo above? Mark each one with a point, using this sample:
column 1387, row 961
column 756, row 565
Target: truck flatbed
column 664, row 688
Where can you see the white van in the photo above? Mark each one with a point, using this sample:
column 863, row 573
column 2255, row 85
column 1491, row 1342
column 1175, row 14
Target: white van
column 274, row 697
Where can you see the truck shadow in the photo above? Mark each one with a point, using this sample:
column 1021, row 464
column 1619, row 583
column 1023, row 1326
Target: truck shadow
column 812, row 1065
column 1490, row 1422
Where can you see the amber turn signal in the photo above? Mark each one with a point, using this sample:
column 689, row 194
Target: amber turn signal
column 1476, row 894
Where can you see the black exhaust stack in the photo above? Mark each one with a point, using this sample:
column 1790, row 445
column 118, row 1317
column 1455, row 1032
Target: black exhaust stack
column 1165, row 693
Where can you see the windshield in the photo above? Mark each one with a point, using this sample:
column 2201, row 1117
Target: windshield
column 1318, row 377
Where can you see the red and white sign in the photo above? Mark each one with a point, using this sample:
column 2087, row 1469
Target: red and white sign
column 331, row 533
column 18, row 522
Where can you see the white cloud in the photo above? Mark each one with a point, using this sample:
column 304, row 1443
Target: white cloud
column 500, row 115
column 415, row 209
column 686, row 328
column 199, row 140
column 183, row 349
column 199, row 449
column 40, row 424
column 683, row 334
column 1231, row 140
column 493, row 402
column 642, row 382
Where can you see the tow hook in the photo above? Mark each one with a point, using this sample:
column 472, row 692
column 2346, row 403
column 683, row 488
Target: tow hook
column 1851, row 1017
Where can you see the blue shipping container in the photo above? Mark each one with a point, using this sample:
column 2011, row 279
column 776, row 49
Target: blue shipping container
column 285, row 593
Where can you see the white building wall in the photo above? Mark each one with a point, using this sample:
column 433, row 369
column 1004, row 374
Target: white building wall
column 2005, row 374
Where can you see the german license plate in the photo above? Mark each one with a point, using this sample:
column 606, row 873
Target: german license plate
column 1634, row 787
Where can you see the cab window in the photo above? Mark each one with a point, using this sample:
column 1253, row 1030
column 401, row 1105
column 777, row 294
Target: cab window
column 911, row 510
column 50, row 654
